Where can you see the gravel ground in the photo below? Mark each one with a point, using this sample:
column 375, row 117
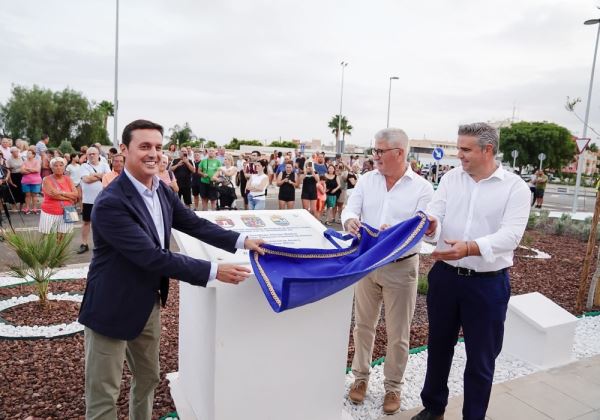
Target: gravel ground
column 44, row 378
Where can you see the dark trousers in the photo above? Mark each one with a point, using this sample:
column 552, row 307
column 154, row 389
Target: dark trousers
column 185, row 191
column 477, row 304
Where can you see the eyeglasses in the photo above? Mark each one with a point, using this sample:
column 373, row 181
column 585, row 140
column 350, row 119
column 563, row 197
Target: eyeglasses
column 380, row 152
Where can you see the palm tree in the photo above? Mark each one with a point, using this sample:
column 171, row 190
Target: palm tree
column 108, row 110
column 336, row 124
column 41, row 256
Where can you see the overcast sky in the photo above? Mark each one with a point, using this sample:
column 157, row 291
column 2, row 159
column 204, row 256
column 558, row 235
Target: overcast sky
column 264, row 69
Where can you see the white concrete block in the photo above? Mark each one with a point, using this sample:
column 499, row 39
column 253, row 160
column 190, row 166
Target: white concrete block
column 240, row 360
column 539, row 331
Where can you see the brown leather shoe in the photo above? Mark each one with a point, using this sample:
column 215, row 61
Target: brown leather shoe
column 358, row 390
column 391, row 402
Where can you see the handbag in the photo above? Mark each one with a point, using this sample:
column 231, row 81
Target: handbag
column 70, row 214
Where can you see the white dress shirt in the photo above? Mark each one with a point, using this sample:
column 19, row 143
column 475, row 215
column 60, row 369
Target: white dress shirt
column 492, row 212
column 372, row 203
column 152, row 202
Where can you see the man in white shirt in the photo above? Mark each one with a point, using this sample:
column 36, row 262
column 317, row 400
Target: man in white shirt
column 382, row 198
column 91, row 184
column 478, row 215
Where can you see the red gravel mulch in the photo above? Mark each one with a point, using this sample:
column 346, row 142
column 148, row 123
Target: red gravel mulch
column 44, row 378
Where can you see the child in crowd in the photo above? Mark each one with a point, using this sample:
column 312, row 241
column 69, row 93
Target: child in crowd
column 321, row 197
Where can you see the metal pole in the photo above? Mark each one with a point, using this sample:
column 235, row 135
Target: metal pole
column 585, row 123
column 338, row 148
column 541, row 163
column 514, row 162
column 116, row 99
column 390, row 99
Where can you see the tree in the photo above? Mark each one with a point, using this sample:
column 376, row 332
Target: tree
column 287, row 144
column 532, row 138
column 335, row 125
column 211, row 144
column 108, row 110
column 235, row 144
column 63, row 115
column 66, row 147
column 593, row 148
column 180, row 135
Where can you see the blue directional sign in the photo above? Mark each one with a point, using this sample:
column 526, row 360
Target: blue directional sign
column 438, row 153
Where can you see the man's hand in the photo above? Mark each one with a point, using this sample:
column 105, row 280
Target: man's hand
column 384, row 227
column 352, row 226
column 229, row 273
column 254, row 245
column 458, row 250
column 432, row 226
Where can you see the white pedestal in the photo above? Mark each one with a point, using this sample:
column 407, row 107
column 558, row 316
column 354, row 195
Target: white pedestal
column 239, row 360
column 539, row 331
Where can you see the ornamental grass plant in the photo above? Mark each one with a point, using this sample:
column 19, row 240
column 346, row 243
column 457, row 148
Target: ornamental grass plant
column 40, row 257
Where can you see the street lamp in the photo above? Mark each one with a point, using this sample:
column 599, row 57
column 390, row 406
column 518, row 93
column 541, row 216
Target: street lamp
column 587, row 114
column 116, row 100
column 390, row 99
column 339, row 146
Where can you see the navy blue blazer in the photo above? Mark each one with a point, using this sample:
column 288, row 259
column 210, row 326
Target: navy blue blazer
column 129, row 269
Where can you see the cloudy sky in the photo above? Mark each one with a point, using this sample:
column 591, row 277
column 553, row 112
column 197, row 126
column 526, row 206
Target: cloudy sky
column 265, row 69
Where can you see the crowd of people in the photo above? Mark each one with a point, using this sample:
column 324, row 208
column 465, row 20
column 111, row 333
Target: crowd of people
column 37, row 180
column 203, row 179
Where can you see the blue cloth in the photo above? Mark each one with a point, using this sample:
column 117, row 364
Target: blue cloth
column 292, row 277
column 479, row 305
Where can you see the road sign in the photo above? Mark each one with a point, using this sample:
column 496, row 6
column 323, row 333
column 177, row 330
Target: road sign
column 582, row 144
column 438, row 153
column 541, row 157
column 514, row 154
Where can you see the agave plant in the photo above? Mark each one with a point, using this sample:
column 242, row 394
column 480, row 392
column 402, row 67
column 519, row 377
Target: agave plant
column 41, row 256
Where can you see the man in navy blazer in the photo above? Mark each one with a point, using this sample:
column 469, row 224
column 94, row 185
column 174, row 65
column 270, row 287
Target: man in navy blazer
column 130, row 270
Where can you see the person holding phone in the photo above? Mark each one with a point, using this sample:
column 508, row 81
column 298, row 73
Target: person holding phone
column 309, row 182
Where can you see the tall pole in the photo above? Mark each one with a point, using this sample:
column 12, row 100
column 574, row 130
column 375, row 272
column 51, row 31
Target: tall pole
column 339, row 148
column 116, row 99
column 587, row 114
column 390, row 99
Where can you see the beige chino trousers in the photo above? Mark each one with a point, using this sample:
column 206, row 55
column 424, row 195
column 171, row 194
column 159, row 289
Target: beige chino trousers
column 104, row 357
column 394, row 285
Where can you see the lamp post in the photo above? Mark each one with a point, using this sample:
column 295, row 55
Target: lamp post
column 339, row 146
column 587, row 113
column 116, row 99
column 390, row 99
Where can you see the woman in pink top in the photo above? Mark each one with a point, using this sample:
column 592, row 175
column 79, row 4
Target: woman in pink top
column 31, row 182
column 166, row 175
column 59, row 191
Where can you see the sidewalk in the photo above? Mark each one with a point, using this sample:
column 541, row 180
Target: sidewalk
column 570, row 392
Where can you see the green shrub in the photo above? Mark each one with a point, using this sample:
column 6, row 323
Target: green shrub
column 422, row 285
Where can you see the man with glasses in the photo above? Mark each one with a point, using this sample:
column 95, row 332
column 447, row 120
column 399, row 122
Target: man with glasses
column 91, row 184
column 382, row 198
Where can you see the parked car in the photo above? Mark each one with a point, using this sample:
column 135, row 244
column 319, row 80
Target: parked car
column 526, row 177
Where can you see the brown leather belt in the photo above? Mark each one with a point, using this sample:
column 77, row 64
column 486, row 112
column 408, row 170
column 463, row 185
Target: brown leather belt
column 404, row 258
